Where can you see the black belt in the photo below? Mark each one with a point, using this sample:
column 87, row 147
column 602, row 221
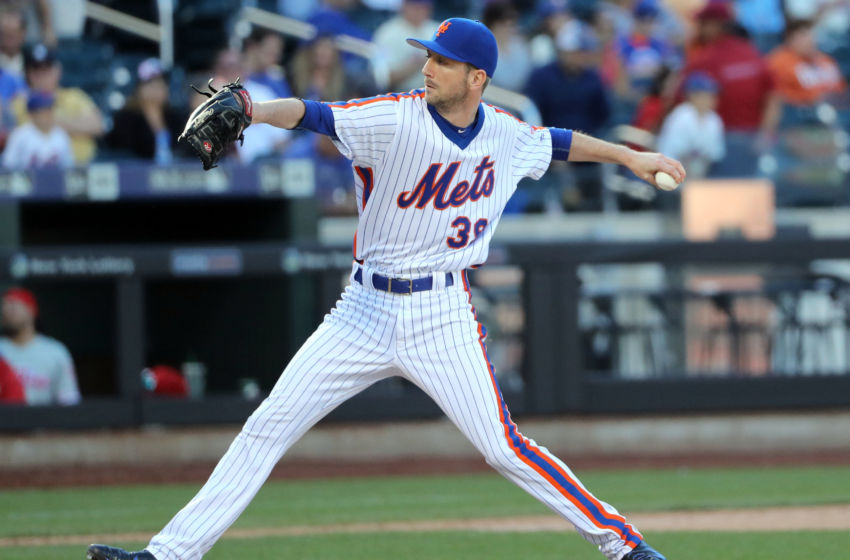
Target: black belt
column 403, row 286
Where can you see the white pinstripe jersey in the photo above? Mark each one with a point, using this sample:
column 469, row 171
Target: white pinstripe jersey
column 425, row 203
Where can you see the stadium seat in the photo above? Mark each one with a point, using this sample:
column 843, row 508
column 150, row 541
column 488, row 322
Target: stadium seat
column 85, row 64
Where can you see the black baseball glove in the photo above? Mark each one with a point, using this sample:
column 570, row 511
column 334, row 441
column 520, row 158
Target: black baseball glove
column 218, row 122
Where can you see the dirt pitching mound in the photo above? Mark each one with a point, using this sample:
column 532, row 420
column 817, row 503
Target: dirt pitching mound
column 802, row 518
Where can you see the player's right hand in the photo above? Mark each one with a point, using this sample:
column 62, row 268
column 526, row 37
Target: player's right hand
column 646, row 164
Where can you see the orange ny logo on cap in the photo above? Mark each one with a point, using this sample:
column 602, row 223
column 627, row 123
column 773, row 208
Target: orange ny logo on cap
column 443, row 28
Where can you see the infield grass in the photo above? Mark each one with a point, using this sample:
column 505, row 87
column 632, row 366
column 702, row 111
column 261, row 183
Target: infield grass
column 497, row 546
column 145, row 509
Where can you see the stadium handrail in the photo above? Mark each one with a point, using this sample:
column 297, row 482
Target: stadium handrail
column 162, row 33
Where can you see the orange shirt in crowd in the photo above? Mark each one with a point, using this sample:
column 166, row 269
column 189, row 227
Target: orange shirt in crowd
column 803, row 81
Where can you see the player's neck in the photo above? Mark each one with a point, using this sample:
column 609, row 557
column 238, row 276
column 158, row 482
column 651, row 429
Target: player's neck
column 460, row 115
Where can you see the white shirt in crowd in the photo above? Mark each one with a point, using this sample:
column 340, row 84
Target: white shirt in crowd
column 45, row 369
column 687, row 136
column 28, row 147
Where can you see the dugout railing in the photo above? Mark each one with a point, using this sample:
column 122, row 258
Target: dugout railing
column 568, row 296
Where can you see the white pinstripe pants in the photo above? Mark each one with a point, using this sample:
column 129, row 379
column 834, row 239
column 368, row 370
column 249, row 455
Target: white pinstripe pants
column 431, row 338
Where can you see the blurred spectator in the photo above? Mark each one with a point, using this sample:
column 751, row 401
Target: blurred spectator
column 261, row 140
column 693, row 132
column 831, row 18
column 39, row 19
column 803, row 74
column 331, row 20
column 11, row 390
column 654, row 105
column 551, row 15
column 670, row 25
column 228, row 66
column 405, row 65
column 75, row 110
column 39, row 142
column 10, row 87
column 332, row 176
column 318, row 73
column 262, row 53
column 642, row 52
column 747, row 101
column 12, row 37
column 43, row 364
column 147, row 126
column 513, row 68
column 570, row 94
column 610, row 66
column 619, row 13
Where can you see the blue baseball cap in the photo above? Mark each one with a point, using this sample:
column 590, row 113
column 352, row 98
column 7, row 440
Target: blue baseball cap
column 464, row 40
column 700, row 81
column 645, row 9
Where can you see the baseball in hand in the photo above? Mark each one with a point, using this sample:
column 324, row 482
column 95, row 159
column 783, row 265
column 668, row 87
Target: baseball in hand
column 665, row 181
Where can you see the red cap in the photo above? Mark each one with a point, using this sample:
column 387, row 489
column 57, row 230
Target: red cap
column 715, row 9
column 22, row 295
column 165, row 380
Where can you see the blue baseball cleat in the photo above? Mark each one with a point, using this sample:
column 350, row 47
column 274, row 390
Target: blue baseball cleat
column 644, row 552
column 103, row 552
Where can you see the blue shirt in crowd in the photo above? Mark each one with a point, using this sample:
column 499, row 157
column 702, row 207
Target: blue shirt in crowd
column 575, row 101
column 10, row 86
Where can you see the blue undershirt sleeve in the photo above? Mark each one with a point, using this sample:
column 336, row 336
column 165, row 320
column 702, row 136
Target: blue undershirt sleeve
column 318, row 117
column 562, row 139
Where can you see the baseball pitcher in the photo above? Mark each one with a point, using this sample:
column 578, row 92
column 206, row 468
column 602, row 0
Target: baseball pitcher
column 433, row 168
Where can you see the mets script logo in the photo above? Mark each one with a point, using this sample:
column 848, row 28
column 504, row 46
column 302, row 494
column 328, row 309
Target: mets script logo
column 432, row 189
column 443, row 28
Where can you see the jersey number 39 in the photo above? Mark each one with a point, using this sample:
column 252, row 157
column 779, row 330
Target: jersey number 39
column 463, row 226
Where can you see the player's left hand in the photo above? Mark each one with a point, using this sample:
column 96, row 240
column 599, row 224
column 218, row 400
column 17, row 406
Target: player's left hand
column 646, row 164
column 218, row 122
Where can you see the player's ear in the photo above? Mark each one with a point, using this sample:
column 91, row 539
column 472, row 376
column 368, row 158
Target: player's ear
column 477, row 78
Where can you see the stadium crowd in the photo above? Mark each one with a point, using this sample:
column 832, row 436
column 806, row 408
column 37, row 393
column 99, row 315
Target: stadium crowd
column 739, row 88
column 712, row 82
